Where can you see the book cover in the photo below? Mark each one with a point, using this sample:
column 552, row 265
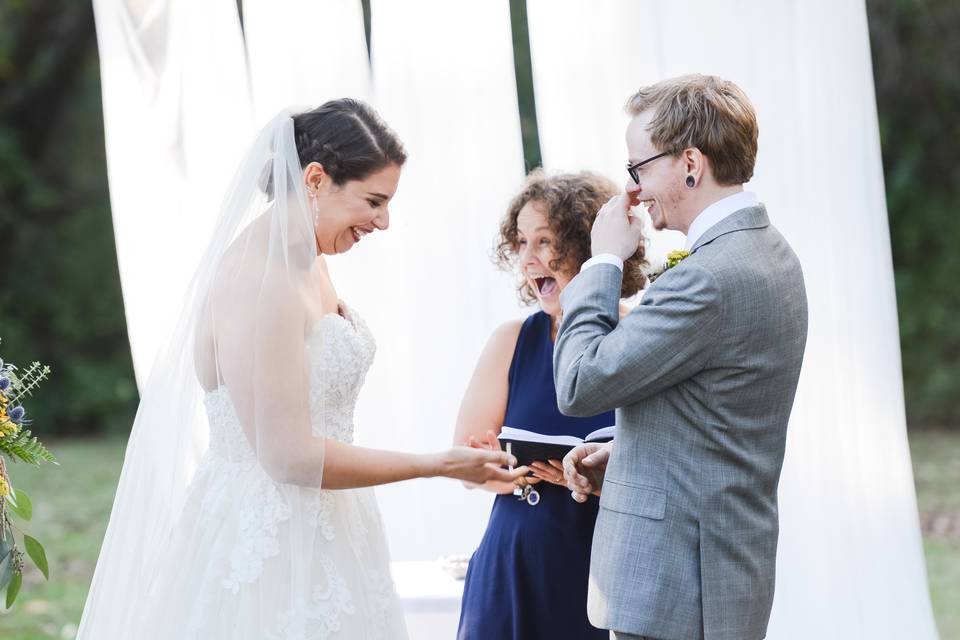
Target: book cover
column 530, row 446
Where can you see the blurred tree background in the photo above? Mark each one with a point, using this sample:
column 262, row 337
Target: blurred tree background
column 60, row 299
column 916, row 68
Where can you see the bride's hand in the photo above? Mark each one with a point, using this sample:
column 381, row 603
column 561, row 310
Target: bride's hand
column 479, row 465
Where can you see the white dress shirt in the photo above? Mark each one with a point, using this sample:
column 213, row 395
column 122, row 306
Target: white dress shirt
column 716, row 212
column 705, row 219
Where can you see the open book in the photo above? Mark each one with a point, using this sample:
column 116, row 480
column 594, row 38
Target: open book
column 529, row 446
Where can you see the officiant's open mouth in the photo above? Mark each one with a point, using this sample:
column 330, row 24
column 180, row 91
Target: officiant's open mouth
column 546, row 285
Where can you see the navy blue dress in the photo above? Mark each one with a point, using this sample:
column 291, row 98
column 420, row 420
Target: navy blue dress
column 528, row 578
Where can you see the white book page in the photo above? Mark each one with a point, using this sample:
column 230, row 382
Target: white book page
column 606, row 433
column 522, row 435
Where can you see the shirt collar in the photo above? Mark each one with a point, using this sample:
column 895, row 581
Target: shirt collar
column 717, row 212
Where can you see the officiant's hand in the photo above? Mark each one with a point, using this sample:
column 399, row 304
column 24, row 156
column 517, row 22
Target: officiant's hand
column 584, row 468
column 550, row 471
column 489, row 443
column 615, row 230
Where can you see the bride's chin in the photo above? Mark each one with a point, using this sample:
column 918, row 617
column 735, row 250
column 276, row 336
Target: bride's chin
column 336, row 244
column 344, row 243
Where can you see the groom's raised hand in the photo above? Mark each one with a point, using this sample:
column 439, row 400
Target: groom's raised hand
column 616, row 230
column 584, row 468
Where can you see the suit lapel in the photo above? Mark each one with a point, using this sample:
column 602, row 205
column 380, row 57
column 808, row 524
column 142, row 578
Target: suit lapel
column 749, row 218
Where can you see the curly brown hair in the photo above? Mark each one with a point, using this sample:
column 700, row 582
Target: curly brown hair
column 570, row 202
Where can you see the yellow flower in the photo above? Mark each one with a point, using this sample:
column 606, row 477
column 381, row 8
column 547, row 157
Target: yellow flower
column 7, row 427
column 675, row 257
column 4, row 487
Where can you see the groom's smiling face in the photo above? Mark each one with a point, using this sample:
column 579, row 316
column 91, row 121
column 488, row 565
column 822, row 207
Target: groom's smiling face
column 661, row 181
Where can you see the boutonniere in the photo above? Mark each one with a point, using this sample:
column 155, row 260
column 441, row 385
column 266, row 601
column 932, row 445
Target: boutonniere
column 673, row 259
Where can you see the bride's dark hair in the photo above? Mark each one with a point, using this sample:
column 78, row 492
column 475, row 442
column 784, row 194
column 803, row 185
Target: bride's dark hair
column 348, row 138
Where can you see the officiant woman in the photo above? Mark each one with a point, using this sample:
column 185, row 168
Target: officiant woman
column 528, row 578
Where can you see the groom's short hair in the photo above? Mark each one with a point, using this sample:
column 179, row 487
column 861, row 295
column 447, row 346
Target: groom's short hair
column 709, row 113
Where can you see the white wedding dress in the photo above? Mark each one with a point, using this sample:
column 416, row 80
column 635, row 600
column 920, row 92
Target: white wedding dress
column 229, row 578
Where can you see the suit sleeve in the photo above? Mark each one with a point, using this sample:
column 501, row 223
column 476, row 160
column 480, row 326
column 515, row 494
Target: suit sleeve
column 601, row 362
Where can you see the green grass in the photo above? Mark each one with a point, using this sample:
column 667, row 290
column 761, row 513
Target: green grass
column 943, row 572
column 936, row 469
column 72, row 504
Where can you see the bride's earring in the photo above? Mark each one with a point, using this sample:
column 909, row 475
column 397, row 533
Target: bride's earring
column 315, row 206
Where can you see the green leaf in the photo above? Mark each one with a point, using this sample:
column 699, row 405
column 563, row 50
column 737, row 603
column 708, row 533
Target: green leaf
column 37, row 554
column 26, row 448
column 14, row 589
column 6, row 569
column 22, row 506
column 6, row 541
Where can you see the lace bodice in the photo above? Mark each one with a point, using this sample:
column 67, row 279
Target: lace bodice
column 340, row 350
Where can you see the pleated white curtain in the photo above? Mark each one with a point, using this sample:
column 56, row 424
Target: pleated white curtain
column 850, row 562
column 304, row 52
column 587, row 59
column 177, row 117
column 443, row 79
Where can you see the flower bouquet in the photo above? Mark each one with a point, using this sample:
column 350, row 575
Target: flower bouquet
column 17, row 445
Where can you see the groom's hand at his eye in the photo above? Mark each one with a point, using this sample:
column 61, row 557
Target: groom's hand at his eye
column 615, row 230
column 584, row 468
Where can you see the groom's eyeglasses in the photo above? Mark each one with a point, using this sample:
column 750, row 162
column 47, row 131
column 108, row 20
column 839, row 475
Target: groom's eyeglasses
column 632, row 168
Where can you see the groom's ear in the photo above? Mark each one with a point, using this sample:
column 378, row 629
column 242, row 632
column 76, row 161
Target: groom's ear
column 694, row 163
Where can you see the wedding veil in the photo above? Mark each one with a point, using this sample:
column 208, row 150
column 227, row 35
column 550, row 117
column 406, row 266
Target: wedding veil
column 239, row 346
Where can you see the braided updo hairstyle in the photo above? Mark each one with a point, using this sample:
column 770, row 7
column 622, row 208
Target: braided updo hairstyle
column 348, row 138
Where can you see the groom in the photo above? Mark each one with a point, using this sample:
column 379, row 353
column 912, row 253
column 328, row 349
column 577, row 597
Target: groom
column 702, row 374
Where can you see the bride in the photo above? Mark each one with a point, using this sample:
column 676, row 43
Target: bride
column 243, row 510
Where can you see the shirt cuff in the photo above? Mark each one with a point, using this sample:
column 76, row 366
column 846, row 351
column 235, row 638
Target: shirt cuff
column 603, row 258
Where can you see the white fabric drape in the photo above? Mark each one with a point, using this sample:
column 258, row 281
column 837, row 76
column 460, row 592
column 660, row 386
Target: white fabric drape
column 177, row 118
column 850, row 562
column 443, row 79
column 302, row 53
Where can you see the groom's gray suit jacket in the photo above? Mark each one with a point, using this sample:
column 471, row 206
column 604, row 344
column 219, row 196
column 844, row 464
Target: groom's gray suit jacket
column 703, row 375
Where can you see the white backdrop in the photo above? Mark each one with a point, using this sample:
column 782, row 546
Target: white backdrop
column 304, row 52
column 443, row 78
column 850, row 560
column 179, row 109
column 177, row 117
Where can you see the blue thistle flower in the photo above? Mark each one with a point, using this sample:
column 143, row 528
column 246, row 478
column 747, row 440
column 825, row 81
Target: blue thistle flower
column 4, row 383
column 16, row 414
